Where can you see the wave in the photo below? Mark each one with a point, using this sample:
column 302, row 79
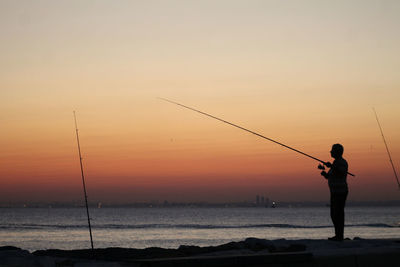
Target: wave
column 180, row 226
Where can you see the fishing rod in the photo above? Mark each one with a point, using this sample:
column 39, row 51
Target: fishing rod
column 387, row 149
column 83, row 182
column 247, row 130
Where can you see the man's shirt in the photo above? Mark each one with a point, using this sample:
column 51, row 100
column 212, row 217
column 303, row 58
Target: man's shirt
column 337, row 176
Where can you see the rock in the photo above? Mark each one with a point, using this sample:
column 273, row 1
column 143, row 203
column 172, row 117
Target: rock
column 9, row 248
column 17, row 257
column 256, row 244
column 191, row 250
column 296, row 248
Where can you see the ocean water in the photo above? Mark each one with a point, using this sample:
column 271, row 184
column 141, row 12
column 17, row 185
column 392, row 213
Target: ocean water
column 66, row 228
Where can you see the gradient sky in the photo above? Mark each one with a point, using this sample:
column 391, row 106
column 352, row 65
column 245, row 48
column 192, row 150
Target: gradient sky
column 305, row 73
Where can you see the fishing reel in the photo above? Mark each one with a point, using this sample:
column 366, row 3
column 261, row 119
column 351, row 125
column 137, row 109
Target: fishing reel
column 322, row 166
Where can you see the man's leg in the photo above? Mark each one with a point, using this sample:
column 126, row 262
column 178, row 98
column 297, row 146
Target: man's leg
column 341, row 202
column 334, row 212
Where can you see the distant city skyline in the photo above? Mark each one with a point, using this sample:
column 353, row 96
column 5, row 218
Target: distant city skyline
column 167, row 204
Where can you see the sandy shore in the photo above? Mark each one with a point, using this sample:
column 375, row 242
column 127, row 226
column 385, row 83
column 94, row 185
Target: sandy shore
column 250, row 252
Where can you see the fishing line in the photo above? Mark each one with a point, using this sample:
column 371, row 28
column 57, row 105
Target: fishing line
column 247, row 130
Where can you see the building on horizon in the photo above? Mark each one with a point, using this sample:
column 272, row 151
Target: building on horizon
column 262, row 201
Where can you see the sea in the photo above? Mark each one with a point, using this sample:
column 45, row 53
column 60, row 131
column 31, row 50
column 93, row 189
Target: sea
column 169, row 227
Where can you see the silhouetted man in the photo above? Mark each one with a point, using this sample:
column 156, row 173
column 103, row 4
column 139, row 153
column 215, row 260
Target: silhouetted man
column 336, row 177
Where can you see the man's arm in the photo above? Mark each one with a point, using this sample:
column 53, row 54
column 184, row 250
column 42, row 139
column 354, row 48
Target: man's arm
column 322, row 167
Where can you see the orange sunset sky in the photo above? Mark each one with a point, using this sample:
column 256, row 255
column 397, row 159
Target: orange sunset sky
column 305, row 73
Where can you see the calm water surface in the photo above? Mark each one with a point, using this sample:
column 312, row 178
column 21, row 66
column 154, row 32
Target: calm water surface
column 66, row 228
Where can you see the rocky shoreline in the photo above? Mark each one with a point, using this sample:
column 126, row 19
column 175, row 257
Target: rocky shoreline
column 250, row 252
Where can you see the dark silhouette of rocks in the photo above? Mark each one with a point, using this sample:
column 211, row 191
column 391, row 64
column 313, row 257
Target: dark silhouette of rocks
column 251, row 244
column 8, row 248
column 250, row 252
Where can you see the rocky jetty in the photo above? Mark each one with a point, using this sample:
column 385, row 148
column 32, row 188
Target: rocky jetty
column 250, row 252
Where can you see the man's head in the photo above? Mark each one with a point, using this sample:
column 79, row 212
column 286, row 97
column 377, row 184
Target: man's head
column 337, row 151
